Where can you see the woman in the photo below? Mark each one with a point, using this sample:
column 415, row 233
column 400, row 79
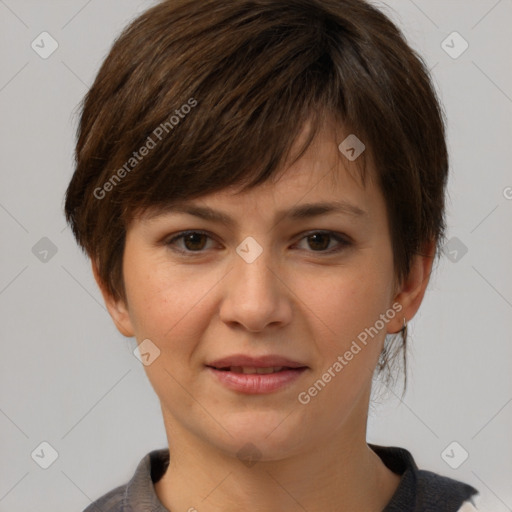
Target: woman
column 260, row 187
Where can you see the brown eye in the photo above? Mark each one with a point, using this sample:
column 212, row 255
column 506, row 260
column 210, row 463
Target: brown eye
column 191, row 241
column 194, row 241
column 320, row 241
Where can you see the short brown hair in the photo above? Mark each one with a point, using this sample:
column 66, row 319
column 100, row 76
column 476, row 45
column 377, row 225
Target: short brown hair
column 250, row 74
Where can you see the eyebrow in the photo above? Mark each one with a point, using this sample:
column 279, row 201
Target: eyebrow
column 300, row 212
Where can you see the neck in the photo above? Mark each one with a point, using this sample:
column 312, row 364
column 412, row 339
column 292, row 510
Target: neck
column 340, row 474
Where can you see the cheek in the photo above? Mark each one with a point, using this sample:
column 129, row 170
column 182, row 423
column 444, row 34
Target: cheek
column 167, row 304
column 344, row 301
column 345, row 311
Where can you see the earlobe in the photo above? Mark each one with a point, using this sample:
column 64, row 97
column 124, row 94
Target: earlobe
column 413, row 288
column 117, row 308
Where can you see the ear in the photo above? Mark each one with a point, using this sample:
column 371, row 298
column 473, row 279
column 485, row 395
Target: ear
column 117, row 309
column 411, row 291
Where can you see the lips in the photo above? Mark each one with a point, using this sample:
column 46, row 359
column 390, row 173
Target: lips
column 240, row 363
column 257, row 384
column 251, row 370
column 256, row 375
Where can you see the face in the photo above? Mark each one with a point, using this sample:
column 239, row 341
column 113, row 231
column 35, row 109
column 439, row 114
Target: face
column 303, row 287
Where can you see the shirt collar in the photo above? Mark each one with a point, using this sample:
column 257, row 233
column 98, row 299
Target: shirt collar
column 140, row 494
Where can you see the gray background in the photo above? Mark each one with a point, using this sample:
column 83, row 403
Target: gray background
column 68, row 378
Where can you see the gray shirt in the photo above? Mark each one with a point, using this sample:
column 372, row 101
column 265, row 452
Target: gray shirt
column 418, row 491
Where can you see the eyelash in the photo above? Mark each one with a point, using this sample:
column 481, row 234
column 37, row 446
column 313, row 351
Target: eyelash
column 343, row 241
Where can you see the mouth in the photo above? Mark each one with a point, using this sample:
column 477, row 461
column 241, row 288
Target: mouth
column 249, row 370
column 244, row 363
column 256, row 376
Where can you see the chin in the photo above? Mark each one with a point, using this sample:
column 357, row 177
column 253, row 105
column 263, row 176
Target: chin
column 262, row 440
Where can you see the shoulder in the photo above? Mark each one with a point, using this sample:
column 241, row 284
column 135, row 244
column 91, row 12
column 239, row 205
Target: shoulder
column 421, row 490
column 110, row 502
column 139, row 493
column 438, row 491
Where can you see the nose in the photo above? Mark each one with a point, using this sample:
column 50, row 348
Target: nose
column 255, row 295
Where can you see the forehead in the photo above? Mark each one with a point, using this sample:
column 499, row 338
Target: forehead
column 325, row 166
column 308, row 189
column 323, row 173
column 334, row 148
